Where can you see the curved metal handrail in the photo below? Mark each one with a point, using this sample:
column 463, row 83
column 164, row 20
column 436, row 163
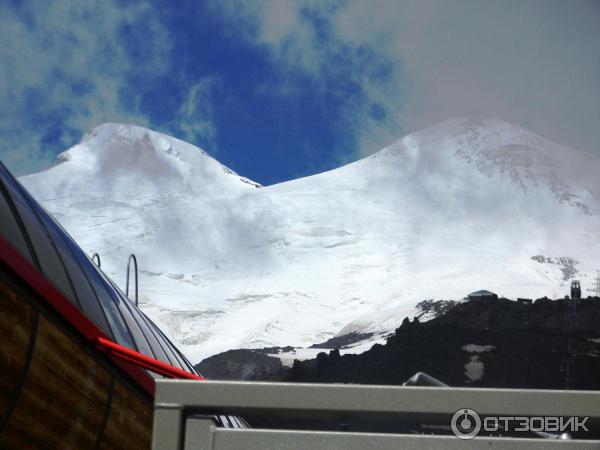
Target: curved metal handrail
column 132, row 257
column 96, row 259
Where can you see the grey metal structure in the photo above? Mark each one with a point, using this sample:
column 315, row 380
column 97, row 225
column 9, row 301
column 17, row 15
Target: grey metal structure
column 183, row 410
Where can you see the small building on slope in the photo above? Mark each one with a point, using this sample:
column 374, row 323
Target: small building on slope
column 482, row 295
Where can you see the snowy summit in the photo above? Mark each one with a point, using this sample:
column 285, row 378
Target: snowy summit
column 227, row 264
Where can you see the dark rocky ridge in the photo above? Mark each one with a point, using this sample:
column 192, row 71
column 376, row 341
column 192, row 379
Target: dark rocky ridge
column 528, row 348
column 430, row 309
column 514, row 345
column 241, row 364
column 338, row 342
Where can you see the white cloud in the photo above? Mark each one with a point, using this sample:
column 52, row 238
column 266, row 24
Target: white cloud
column 65, row 62
column 302, row 38
column 535, row 63
column 280, row 26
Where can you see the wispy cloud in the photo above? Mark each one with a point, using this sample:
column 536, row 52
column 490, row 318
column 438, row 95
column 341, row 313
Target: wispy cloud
column 304, row 40
column 193, row 121
column 67, row 66
column 318, row 83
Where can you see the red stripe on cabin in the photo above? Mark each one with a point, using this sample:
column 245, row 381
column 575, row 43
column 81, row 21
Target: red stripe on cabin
column 120, row 355
column 114, row 349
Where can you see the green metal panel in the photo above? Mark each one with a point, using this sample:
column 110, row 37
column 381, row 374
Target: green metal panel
column 167, row 427
column 176, row 400
column 199, row 434
column 313, row 440
column 428, row 403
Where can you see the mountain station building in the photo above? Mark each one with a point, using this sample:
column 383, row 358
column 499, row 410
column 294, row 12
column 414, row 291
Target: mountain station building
column 482, row 295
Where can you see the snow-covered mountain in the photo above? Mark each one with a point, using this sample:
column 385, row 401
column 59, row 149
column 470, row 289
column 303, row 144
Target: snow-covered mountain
column 225, row 263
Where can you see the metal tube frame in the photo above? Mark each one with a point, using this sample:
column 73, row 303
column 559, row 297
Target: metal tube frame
column 132, row 257
column 96, row 259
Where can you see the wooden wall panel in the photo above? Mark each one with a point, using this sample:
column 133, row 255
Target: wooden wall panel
column 130, row 422
column 15, row 331
column 63, row 399
column 64, row 393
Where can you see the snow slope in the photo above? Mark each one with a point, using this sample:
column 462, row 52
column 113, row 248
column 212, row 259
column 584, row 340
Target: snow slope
column 454, row 208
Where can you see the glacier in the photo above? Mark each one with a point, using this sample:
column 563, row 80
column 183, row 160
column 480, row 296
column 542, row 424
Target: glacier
column 227, row 263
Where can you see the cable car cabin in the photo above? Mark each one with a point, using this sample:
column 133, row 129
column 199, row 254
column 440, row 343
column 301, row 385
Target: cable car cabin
column 78, row 359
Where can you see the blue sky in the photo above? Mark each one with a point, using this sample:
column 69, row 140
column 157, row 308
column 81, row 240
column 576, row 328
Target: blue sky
column 278, row 89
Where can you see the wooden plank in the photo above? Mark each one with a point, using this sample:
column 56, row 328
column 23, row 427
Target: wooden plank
column 129, row 425
column 15, row 331
column 64, row 396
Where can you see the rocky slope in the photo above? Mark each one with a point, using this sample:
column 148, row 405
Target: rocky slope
column 478, row 343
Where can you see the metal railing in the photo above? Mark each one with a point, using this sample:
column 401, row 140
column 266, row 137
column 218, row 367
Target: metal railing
column 183, row 410
column 134, row 259
column 96, row 259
